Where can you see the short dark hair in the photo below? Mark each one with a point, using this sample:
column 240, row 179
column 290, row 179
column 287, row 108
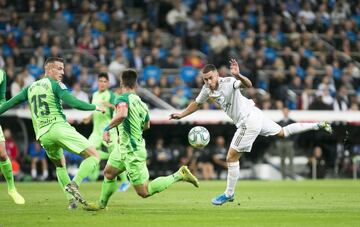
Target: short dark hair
column 103, row 75
column 207, row 68
column 128, row 78
column 53, row 59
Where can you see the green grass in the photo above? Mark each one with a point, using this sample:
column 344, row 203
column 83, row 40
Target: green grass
column 257, row 203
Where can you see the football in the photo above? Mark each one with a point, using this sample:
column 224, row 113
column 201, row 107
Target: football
column 199, row 137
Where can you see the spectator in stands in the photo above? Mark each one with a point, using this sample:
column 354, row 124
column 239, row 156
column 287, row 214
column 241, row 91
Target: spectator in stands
column 176, row 18
column 179, row 100
column 136, row 60
column 322, row 101
column 317, row 163
column 285, row 147
column 219, row 156
column 194, row 60
column 194, row 27
column 169, row 63
column 218, row 45
column 204, row 164
column 10, row 145
column 163, row 157
column 78, row 93
column 17, row 85
column 27, row 77
column 117, row 65
column 341, row 102
column 37, row 154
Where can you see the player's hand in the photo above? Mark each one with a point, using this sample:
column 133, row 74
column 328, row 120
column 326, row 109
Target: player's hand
column 87, row 120
column 106, row 137
column 100, row 108
column 234, row 67
column 174, row 116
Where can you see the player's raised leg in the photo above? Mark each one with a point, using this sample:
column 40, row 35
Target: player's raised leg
column 161, row 183
column 87, row 166
column 6, row 169
column 296, row 128
column 109, row 184
column 64, row 179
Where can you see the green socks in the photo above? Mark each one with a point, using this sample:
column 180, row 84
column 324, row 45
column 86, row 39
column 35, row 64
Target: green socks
column 63, row 179
column 6, row 169
column 108, row 188
column 162, row 183
column 103, row 155
column 87, row 166
column 123, row 177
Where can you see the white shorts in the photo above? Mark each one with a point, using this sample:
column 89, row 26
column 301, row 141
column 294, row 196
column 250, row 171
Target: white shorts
column 255, row 124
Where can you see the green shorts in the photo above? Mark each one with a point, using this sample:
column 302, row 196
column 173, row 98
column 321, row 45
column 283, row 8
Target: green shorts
column 2, row 138
column 63, row 135
column 134, row 163
column 96, row 139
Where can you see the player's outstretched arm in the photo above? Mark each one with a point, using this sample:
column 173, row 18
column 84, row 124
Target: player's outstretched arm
column 234, row 69
column 76, row 103
column 122, row 112
column 191, row 108
column 19, row 98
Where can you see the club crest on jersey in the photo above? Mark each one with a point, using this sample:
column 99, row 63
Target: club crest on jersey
column 62, row 85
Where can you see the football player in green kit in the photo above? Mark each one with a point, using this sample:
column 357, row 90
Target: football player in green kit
column 45, row 97
column 5, row 163
column 131, row 118
column 103, row 96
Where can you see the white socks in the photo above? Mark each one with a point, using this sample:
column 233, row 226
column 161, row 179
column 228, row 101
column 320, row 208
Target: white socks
column 232, row 177
column 296, row 128
column 33, row 173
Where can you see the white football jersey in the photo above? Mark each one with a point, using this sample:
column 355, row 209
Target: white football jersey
column 229, row 97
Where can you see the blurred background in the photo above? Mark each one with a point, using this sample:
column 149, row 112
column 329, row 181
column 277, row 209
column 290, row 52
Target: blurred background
column 301, row 56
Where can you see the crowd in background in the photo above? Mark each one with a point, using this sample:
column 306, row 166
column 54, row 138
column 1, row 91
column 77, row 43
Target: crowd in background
column 301, row 54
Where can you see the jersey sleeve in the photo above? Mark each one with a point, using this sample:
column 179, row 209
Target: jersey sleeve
column 203, row 95
column 2, row 86
column 61, row 91
column 112, row 98
column 112, row 101
column 17, row 99
column 147, row 117
column 236, row 84
column 122, row 100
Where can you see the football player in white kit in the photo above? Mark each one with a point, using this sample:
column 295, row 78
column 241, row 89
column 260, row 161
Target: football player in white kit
column 249, row 120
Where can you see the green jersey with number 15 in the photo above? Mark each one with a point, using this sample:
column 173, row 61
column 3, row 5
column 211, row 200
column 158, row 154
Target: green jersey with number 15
column 45, row 105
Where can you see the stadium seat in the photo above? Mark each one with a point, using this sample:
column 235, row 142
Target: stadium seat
column 188, row 74
column 151, row 71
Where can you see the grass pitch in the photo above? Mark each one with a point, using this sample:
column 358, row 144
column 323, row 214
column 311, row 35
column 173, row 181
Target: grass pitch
column 257, row 203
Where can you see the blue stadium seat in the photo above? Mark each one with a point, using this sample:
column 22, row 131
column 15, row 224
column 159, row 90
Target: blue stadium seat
column 151, row 71
column 34, row 70
column 188, row 74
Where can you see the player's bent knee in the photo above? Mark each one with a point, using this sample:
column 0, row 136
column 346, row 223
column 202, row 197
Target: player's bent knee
column 142, row 191
column 143, row 194
column 109, row 174
column 58, row 163
column 90, row 151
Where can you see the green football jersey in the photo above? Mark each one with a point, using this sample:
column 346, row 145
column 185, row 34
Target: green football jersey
column 2, row 86
column 45, row 97
column 45, row 104
column 100, row 120
column 131, row 129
